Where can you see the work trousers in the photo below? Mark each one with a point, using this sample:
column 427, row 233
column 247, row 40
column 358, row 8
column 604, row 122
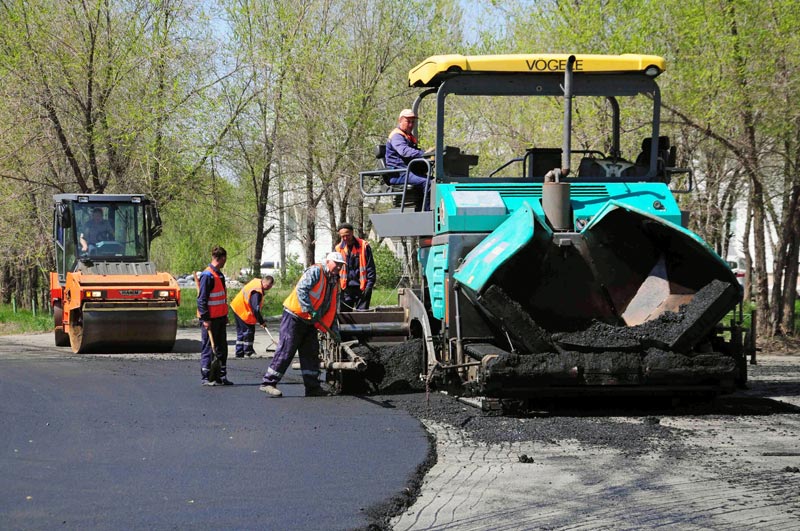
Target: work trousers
column 355, row 299
column 296, row 335
column 218, row 330
column 413, row 180
column 245, row 335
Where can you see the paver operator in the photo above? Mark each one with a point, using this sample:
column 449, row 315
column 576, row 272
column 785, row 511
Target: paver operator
column 311, row 306
column 402, row 147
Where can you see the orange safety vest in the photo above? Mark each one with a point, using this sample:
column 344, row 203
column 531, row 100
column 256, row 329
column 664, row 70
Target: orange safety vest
column 411, row 138
column 241, row 302
column 317, row 294
column 218, row 298
column 362, row 263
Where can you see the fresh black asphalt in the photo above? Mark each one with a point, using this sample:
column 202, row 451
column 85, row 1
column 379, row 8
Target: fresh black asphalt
column 136, row 443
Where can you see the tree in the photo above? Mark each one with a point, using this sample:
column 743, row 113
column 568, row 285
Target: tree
column 102, row 96
column 727, row 102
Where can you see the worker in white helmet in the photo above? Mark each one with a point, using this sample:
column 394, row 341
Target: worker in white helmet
column 311, row 306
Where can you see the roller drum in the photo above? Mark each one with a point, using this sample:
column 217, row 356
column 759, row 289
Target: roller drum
column 147, row 327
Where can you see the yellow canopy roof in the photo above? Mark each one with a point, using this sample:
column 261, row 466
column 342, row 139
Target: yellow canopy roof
column 426, row 72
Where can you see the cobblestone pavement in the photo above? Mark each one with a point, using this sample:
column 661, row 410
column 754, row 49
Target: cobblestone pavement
column 730, row 464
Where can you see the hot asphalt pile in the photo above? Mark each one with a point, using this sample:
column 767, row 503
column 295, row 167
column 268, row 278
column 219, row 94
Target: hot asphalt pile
column 659, row 351
column 562, row 423
column 390, row 369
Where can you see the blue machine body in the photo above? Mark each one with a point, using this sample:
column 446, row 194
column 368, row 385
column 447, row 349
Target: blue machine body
column 525, row 264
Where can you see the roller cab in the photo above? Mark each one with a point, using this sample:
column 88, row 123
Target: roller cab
column 106, row 294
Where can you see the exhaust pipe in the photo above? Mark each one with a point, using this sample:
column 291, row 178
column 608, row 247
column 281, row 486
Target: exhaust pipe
column 555, row 194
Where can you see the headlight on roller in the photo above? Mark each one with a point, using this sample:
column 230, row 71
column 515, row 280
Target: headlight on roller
column 94, row 294
column 163, row 294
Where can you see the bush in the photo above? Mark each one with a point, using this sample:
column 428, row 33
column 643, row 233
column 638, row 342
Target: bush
column 389, row 267
column 292, row 273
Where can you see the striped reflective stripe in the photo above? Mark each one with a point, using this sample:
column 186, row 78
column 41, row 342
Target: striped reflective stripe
column 273, row 372
column 317, row 292
column 309, row 373
column 217, row 298
column 361, row 253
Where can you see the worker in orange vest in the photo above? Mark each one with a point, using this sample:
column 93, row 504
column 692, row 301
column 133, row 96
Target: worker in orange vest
column 246, row 306
column 402, row 148
column 358, row 275
column 212, row 310
column 309, row 308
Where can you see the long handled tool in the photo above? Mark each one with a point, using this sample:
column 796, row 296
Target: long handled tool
column 215, row 370
column 334, row 335
column 274, row 342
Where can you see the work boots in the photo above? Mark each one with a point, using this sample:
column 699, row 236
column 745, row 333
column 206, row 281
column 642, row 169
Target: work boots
column 316, row 391
column 271, row 390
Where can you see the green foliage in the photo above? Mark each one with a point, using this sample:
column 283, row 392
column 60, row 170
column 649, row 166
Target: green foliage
column 388, row 266
column 187, row 311
column 292, row 273
column 272, row 306
column 23, row 321
column 304, row 103
column 192, row 229
column 384, row 297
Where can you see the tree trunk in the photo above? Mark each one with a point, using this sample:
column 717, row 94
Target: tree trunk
column 330, row 207
column 309, row 235
column 760, row 267
column 748, row 258
column 791, row 259
column 282, row 225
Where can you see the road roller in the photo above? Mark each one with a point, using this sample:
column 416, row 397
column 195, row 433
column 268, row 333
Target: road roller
column 106, row 293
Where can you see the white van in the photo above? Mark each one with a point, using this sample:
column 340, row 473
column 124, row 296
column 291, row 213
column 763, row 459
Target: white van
column 268, row 267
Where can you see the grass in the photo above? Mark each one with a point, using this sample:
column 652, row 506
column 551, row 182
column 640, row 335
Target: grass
column 24, row 322
column 187, row 312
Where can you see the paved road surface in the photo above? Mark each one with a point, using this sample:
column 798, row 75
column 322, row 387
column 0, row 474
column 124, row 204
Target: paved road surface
column 733, row 464
column 135, row 442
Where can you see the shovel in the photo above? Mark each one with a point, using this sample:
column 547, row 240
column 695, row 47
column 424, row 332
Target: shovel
column 335, row 335
column 274, row 344
column 216, row 365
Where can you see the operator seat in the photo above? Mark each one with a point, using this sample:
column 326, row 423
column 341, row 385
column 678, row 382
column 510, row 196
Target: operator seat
column 666, row 156
column 413, row 195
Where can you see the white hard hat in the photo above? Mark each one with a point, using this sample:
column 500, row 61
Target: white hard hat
column 335, row 257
